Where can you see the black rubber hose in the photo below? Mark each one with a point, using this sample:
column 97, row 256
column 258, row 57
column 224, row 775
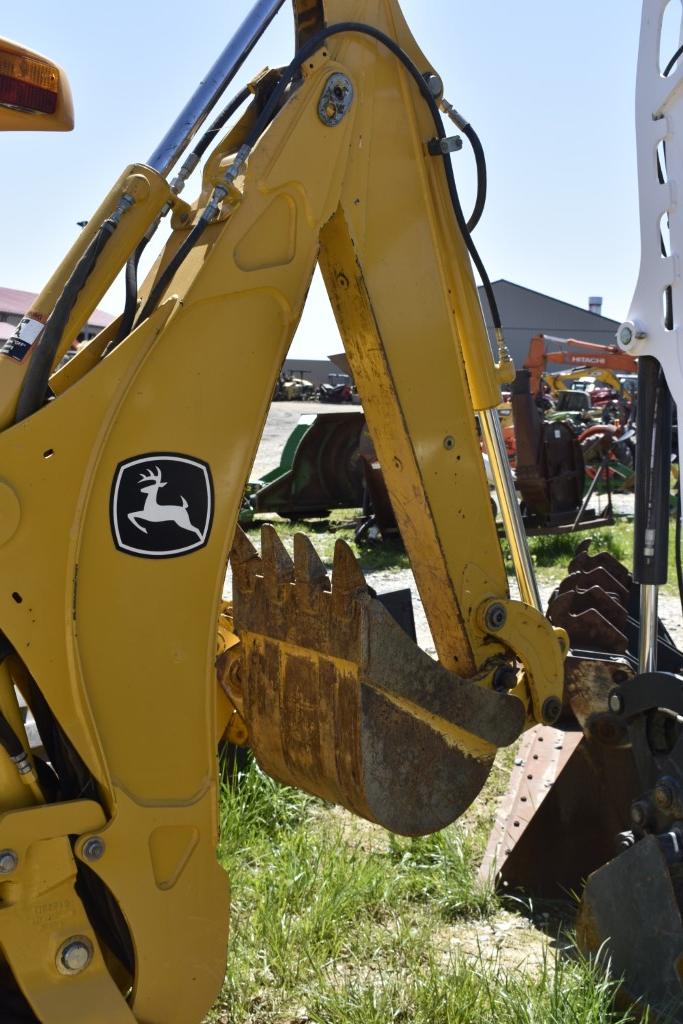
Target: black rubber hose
column 131, row 303
column 266, row 117
column 220, row 122
column 167, row 276
column 34, row 389
column 669, row 66
column 482, row 177
column 196, row 155
column 130, row 307
column 369, row 30
column 9, row 739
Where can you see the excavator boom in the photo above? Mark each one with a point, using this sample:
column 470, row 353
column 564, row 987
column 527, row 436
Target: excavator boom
column 123, row 472
column 121, row 496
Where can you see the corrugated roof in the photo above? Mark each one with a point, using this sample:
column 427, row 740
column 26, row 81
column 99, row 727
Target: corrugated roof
column 13, row 300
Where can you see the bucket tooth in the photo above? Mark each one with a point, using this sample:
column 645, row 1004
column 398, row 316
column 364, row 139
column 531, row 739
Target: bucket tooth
column 309, row 572
column 245, row 561
column 278, row 567
column 348, row 581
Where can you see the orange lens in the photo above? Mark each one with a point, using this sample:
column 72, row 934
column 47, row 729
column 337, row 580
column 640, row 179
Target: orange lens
column 28, row 83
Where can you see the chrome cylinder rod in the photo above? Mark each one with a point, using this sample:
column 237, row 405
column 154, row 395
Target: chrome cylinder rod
column 212, row 87
column 509, row 508
column 647, row 650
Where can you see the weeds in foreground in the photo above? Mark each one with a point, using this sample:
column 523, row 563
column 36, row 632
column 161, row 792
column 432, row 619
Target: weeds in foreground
column 456, row 992
column 336, row 922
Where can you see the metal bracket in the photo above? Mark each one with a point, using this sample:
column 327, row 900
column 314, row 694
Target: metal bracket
column 441, row 147
column 659, row 120
column 336, row 98
column 540, row 647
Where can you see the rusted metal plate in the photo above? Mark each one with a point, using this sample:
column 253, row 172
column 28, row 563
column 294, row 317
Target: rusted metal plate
column 584, row 562
column 596, row 577
column 630, row 916
column 588, row 683
column 541, row 755
column 340, row 702
column 568, row 799
column 574, row 602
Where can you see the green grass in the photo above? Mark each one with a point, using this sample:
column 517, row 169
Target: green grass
column 555, row 551
column 552, row 554
column 548, row 552
column 324, row 534
column 430, row 991
column 334, row 921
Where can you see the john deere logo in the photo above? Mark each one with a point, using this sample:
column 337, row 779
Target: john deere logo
column 161, row 505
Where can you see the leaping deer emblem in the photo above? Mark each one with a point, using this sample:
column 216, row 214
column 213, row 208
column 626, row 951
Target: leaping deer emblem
column 153, row 512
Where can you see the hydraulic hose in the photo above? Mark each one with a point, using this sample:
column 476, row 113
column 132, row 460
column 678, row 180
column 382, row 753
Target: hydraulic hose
column 266, row 116
column 482, row 177
column 128, row 316
column 463, row 125
column 220, row 122
column 131, row 302
column 9, row 740
column 669, row 67
column 34, row 388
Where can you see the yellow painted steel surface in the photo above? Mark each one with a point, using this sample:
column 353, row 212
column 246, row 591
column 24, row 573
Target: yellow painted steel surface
column 120, row 640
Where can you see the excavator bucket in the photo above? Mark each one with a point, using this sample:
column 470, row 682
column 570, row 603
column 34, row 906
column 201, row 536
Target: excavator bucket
column 340, row 702
column 320, row 469
column 636, row 887
column 571, row 789
column 580, row 806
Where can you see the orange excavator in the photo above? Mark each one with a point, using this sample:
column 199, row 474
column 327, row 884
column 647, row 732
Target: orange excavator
column 588, row 354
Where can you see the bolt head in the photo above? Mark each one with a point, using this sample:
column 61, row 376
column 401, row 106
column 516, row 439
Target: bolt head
column 616, row 703
column 449, row 443
column 74, row 955
column 664, row 795
column 629, row 333
column 8, row 862
column 93, row 848
column 504, row 679
column 434, row 84
column 625, row 335
column 495, row 617
column 551, row 710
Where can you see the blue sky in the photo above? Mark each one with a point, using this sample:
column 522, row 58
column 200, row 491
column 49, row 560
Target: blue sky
column 548, row 86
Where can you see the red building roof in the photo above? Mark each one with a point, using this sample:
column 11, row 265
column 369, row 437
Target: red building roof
column 12, row 300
